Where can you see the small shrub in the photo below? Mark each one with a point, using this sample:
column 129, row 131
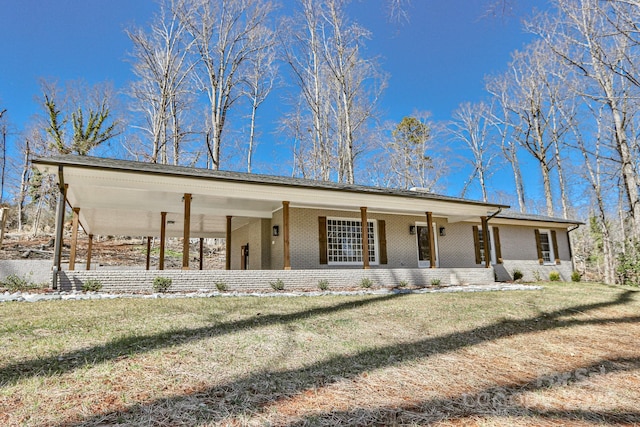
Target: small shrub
column 366, row 282
column 554, row 276
column 517, row 274
column 575, row 276
column 435, row 282
column 278, row 285
column 403, row 284
column 221, row 286
column 91, row 285
column 15, row 283
column 161, row 284
column 323, row 284
column 536, row 276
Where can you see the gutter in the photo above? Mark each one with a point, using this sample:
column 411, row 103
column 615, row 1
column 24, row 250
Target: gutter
column 569, row 230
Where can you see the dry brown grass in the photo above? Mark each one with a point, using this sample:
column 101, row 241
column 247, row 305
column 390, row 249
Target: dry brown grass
column 567, row 355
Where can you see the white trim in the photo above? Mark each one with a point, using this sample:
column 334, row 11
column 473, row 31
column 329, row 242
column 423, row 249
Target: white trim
column 552, row 255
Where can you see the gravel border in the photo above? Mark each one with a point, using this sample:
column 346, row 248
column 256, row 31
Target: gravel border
column 80, row 296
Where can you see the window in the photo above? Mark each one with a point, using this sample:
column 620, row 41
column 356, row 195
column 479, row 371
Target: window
column 547, row 247
column 344, row 241
column 481, row 245
column 493, row 243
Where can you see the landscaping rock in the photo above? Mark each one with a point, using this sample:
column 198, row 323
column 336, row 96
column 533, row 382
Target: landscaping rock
column 77, row 295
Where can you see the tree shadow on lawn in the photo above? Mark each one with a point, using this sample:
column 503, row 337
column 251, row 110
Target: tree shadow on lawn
column 497, row 402
column 132, row 345
column 246, row 396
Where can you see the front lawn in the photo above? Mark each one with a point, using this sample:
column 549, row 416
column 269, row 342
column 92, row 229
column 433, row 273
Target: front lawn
column 566, row 355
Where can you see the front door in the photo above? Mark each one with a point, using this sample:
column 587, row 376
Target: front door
column 244, row 257
column 422, row 233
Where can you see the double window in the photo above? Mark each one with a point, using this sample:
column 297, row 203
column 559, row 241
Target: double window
column 344, row 241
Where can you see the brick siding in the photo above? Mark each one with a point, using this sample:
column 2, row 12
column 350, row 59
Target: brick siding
column 259, row 280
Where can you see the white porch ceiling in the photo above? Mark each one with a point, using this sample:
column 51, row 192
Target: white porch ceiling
column 129, row 202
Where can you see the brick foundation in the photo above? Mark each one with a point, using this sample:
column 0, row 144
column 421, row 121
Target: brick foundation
column 259, row 280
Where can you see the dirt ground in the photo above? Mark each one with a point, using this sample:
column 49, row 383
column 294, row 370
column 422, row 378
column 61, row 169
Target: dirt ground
column 113, row 251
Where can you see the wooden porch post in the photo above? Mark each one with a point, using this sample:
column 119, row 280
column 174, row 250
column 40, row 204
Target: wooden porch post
column 186, row 231
column 227, row 241
column 57, row 250
column 365, row 238
column 285, row 235
column 201, row 252
column 89, row 249
column 163, row 238
column 485, row 241
column 148, row 252
column 432, row 242
column 74, row 239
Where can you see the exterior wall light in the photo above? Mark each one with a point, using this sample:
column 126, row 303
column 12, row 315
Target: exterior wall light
column 276, row 230
column 412, row 229
column 443, row 232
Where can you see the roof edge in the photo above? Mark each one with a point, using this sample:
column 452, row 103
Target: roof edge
column 131, row 166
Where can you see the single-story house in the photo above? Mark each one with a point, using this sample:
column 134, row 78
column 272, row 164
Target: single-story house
column 277, row 225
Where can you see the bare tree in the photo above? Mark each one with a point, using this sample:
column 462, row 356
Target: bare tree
column 3, row 152
column 162, row 64
column 533, row 99
column 600, row 42
column 594, row 172
column 223, row 33
column 356, row 80
column 302, row 49
column 509, row 132
column 471, row 125
column 259, row 81
column 338, row 85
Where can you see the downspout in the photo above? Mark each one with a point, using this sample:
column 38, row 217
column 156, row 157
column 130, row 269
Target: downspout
column 569, row 230
column 494, row 214
column 489, row 218
column 60, row 208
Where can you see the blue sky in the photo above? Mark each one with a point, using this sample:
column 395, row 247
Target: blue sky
column 435, row 61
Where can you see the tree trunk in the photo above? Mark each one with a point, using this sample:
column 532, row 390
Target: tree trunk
column 561, row 183
column 24, row 178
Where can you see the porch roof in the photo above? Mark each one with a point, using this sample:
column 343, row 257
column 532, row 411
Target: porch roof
column 126, row 197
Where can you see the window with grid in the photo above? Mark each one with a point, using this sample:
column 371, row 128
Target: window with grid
column 344, row 241
column 545, row 245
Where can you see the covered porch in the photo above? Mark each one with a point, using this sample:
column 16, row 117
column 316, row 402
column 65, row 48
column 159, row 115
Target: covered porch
column 115, row 197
